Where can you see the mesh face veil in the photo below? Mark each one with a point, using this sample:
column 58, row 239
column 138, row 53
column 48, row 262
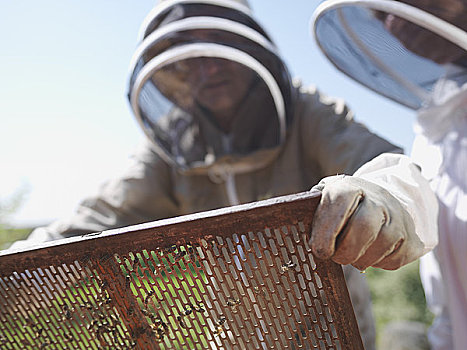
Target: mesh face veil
column 398, row 49
column 207, row 84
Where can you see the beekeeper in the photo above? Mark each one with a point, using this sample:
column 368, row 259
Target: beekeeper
column 226, row 125
column 415, row 52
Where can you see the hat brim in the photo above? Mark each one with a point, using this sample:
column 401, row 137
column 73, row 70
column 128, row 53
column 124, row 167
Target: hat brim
column 357, row 43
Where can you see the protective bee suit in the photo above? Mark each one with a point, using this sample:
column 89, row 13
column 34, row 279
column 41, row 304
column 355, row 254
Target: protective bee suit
column 226, row 125
column 443, row 137
column 419, row 59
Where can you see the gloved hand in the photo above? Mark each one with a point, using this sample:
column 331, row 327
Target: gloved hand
column 360, row 223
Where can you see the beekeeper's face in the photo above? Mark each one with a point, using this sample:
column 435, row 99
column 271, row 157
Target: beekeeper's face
column 218, row 85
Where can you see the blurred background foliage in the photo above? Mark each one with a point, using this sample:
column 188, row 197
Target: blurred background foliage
column 397, row 296
column 8, row 206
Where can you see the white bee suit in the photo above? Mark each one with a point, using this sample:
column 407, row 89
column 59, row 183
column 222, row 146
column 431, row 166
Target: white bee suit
column 441, row 149
column 415, row 53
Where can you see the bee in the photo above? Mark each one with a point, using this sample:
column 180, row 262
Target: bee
column 192, row 251
column 187, row 310
column 103, row 285
column 159, row 334
column 99, row 334
column 68, row 336
column 146, row 298
column 29, row 323
column 115, row 334
column 134, row 262
column 170, row 249
column 127, row 281
column 219, row 330
column 220, row 321
column 233, row 303
column 45, row 344
column 198, row 308
column 180, row 255
column 181, row 322
column 66, row 312
column 95, row 313
column 25, row 342
column 130, row 311
column 92, row 324
column 288, row 266
column 159, row 331
column 39, row 332
column 87, row 305
column 114, row 318
column 259, row 291
column 102, row 328
column 219, row 325
column 159, row 323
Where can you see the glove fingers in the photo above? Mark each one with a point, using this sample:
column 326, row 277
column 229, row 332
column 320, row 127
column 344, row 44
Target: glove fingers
column 383, row 245
column 337, row 205
column 360, row 223
column 361, row 232
column 408, row 251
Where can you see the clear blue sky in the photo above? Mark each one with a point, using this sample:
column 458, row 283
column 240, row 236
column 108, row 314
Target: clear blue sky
column 65, row 122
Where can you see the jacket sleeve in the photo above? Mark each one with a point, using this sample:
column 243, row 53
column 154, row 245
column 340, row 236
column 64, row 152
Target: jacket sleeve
column 332, row 138
column 141, row 193
column 402, row 178
column 342, row 146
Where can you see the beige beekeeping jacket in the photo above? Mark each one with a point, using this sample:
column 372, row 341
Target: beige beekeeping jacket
column 322, row 140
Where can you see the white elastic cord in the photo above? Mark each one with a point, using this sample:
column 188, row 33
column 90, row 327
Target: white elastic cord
column 225, row 173
column 200, row 22
column 231, row 189
column 164, row 5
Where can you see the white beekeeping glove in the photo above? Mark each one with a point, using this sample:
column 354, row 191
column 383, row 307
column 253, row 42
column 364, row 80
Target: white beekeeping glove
column 360, row 223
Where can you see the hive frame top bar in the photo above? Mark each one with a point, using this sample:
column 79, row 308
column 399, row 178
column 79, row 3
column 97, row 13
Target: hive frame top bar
column 165, row 231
